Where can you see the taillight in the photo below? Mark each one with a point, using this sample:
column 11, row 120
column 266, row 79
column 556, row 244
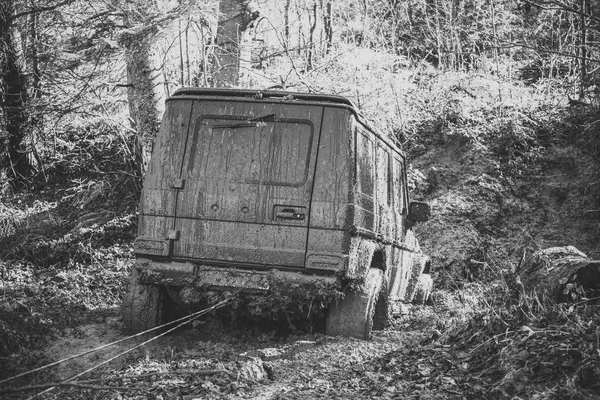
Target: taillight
column 155, row 247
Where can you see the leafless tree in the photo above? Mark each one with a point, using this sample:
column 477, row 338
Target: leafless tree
column 14, row 101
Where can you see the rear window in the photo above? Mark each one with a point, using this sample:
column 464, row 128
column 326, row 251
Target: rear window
column 235, row 149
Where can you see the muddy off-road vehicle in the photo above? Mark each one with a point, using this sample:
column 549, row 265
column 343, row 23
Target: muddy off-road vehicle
column 283, row 195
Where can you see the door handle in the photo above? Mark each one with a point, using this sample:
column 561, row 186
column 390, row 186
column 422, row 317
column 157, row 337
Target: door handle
column 288, row 213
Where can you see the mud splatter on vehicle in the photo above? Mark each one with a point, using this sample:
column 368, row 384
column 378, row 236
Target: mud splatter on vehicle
column 282, row 194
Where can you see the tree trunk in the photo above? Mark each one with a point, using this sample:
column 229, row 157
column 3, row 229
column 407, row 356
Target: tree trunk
column 36, row 115
column 14, row 115
column 327, row 26
column 583, row 6
column 234, row 18
column 181, row 59
column 140, row 93
column 561, row 274
column 286, row 19
column 312, row 19
column 365, row 22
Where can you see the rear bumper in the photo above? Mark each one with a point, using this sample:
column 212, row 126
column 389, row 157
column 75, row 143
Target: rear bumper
column 183, row 274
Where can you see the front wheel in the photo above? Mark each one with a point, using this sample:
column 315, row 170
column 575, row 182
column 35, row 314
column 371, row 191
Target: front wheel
column 360, row 311
column 423, row 290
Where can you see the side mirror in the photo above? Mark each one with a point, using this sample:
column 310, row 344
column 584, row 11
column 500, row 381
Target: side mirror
column 418, row 211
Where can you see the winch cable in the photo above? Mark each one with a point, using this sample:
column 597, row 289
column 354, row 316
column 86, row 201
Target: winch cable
column 180, row 322
column 187, row 319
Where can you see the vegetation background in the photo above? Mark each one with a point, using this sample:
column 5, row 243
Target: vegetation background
column 495, row 102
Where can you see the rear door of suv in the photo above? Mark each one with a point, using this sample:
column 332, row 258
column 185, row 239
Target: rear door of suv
column 246, row 182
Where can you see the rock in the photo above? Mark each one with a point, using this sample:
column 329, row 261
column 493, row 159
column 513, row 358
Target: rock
column 252, row 370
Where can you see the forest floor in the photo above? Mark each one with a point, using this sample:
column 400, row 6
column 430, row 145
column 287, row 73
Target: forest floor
column 499, row 190
column 213, row 361
column 440, row 351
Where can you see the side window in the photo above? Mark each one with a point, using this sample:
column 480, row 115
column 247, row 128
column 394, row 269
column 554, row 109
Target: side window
column 399, row 187
column 383, row 176
column 364, row 164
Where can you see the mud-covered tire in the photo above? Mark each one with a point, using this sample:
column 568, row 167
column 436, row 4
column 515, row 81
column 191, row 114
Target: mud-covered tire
column 359, row 312
column 144, row 306
column 423, row 290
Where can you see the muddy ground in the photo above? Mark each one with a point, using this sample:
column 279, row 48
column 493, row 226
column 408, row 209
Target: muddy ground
column 213, row 360
column 449, row 349
column 501, row 185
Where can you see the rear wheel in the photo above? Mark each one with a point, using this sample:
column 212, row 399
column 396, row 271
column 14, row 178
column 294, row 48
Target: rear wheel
column 359, row 312
column 144, row 306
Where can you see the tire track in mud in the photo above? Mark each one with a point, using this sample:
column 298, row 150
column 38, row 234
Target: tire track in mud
column 258, row 365
column 330, row 367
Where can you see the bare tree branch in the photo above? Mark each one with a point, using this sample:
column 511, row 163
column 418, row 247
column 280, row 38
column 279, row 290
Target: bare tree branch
column 508, row 44
column 35, row 10
column 560, row 6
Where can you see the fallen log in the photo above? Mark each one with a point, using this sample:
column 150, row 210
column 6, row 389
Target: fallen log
column 561, row 274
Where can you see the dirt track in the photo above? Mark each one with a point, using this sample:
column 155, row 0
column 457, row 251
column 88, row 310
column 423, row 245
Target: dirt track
column 254, row 364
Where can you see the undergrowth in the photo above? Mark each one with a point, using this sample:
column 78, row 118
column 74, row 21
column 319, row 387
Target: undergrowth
column 489, row 339
column 66, row 243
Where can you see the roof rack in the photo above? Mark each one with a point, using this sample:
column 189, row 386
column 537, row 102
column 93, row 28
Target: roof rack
column 259, row 94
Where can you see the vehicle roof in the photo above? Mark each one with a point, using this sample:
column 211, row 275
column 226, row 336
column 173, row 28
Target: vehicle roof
column 284, row 96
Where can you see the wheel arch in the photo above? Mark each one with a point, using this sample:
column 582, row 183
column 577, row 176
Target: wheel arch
column 365, row 254
column 378, row 260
